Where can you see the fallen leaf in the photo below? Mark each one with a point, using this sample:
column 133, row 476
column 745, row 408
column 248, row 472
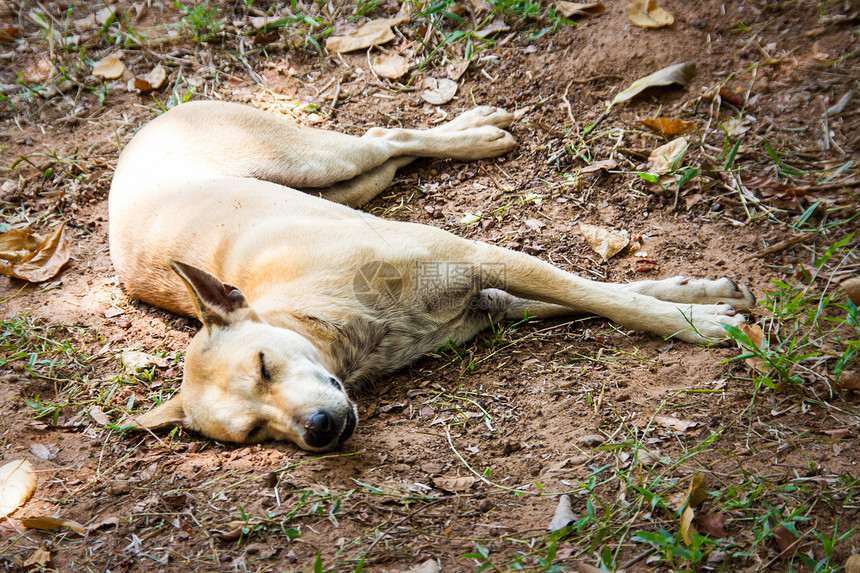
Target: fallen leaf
column 438, row 92
column 586, row 568
column 563, row 515
column 455, row 70
column 109, row 68
column 454, row 484
column 429, row 566
column 42, row 452
column 27, row 256
column 852, row 289
column 606, row 242
column 646, row 14
column 8, row 33
column 669, row 156
column 697, row 492
column 85, row 23
column 786, row 540
column 713, row 524
column 838, row 434
column 692, row 200
column 647, row 458
column 40, row 558
column 494, row 27
column 136, row 360
column 756, row 335
column 51, row 523
column 852, row 565
column 111, row 521
column 104, row 15
column 591, row 440
column 568, row 9
column 669, row 127
column 849, row 381
column 369, row 34
column 605, row 164
column 535, row 224
column 674, row 423
column 645, row 265
column 151, row 81
column 470, row 218
column 390, row 66
column 17, row 484
column 680, row 74
column 38, row 72
column 98, row 415
column 687, row 529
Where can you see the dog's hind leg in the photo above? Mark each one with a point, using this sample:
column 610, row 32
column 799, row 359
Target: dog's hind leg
column 529, row 278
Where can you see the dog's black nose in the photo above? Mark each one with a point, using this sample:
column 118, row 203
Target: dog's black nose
column 320, row 429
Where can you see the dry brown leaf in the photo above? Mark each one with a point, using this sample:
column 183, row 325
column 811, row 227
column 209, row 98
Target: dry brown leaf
column 8, row 33
column 38, row 72
column 439, row 92
column 586, row 568
column 605, row 164
column 786, row 540
column 456, row 70
column 647, row 458
column 563, row 515
column 454, row 484
column 25, row 255
column 151, row 81
column 494, row 27
column 98, row 415
column 104, row 15
column 647, row 14
column 852, row 289
column 668, row 126
column 17, row 484
column 852, row 565
column 756, row 335
column 390, row 66
column 687, row 529
column 838, row 434
column 680, row 74
column 568, row 9
column 40, row 557
column 606, row 242
column 109, row 68
column 429, row 566
column 370, row 34
column 674, row 423
column 51, row 523
column 645, row 265
column 849, row 381
column 135, row 360
column 697, row 492
column 664, row 157
column 43, row 452
column 713, row 524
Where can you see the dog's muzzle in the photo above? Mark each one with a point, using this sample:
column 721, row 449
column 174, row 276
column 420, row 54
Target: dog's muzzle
column 322, row 429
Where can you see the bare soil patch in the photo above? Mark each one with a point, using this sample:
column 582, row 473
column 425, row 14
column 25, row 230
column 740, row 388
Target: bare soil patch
column 619, row 420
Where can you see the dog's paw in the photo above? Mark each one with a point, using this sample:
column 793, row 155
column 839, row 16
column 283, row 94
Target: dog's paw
column 699, row 291
column 478, row 117
column 704, row 322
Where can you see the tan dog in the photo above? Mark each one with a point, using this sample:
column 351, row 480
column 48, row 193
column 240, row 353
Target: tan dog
column 318, row 297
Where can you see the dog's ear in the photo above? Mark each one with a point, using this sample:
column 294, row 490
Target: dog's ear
column 214, row 301
column 169, row 414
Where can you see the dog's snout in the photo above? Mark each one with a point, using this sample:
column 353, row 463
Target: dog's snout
column 320, row 429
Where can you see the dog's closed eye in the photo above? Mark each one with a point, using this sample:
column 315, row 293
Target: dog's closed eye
column 265, row 373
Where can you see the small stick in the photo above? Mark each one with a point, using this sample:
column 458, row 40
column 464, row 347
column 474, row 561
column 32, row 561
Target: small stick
column 782, row 245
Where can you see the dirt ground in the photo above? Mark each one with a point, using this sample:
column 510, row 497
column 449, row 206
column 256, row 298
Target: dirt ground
column 468, row 450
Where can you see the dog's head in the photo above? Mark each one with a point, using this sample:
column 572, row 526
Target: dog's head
column 248, row 381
